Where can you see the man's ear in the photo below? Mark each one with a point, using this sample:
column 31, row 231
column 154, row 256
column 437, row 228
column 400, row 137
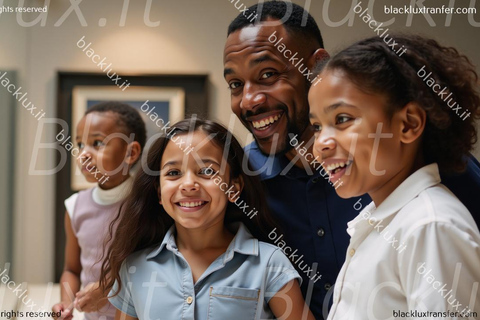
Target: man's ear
column 238, row 185
column 319, row 55
column 133, row 152
column 413, row 118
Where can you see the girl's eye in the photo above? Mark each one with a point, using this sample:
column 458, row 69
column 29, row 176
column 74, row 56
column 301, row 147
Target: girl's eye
column 173, row 173
column 98, row 143
column 267, row 75
column 234, row 85
column 207, row 171
column 343, row 118
column 317, row 127
column 80, row 145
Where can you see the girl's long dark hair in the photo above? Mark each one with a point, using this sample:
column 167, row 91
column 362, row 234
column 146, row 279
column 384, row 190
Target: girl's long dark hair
column 142, row 222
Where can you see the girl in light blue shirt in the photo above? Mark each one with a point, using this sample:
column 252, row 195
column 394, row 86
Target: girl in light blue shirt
column 184, row 247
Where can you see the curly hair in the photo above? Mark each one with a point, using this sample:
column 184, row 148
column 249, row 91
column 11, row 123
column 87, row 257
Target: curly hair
column 142, row 222
column 128, row 117
column 375, row 68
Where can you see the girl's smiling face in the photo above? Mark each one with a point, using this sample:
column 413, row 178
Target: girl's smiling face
column 188, row 191
column 355, row 138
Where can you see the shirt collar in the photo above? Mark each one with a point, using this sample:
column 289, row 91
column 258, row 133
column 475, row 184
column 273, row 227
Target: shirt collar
column 168, row 241
column 243, row 243
column 269, row 166
column 409, row 189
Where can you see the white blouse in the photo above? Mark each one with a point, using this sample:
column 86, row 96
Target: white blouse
column 416, row 255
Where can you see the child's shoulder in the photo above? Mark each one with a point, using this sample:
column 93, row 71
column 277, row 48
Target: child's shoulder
column 270, row 251
column 71, row 201
column 436, row 205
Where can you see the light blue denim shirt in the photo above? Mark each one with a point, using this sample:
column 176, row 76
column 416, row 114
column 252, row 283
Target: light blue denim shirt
column 158, row 283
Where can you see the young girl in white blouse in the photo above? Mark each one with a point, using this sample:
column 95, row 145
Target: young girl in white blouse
column 386, row 125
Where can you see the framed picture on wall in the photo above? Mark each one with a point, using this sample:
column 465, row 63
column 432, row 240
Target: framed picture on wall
column 156, row 105
column 196, row 88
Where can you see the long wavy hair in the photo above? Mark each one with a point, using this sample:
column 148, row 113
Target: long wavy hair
column 142, row 222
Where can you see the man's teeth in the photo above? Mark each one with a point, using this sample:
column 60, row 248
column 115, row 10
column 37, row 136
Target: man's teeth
column 334, row 167
column 265, row 122
column 191, row 204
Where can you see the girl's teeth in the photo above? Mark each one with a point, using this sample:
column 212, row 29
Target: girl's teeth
column 191, row 204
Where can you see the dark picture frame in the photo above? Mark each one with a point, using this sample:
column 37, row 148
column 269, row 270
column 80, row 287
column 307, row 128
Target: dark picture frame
column 194, row 86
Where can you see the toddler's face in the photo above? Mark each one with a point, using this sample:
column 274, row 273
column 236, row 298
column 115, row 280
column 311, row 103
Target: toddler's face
column 190, row 192
column 103, row 146
column 353, row 135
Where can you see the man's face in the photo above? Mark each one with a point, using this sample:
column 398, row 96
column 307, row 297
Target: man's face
column 268, row 93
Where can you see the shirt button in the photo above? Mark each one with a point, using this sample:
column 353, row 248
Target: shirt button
column 352, row 252
column 321, row 232
column 315, row 180
column 327, row 286
column 189, row 300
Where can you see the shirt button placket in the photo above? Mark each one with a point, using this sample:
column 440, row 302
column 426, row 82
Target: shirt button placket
column 320, row 232
column 351, row 252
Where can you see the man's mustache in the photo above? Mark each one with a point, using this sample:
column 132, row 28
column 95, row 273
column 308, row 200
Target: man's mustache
column 262, row 110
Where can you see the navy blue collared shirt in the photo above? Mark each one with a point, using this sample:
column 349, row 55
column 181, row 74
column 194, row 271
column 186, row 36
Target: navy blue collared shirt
column 314, row 218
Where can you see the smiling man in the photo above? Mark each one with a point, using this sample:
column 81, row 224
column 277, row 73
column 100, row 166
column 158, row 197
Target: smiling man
column 269, row 95
column 267, row 67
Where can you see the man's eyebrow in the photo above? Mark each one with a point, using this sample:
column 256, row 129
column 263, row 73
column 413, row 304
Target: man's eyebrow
column 265, row 57
column 227, row 71
column 253, row 63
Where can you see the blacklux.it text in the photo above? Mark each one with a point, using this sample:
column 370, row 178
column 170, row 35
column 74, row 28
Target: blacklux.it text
column 159, row 122
column 230, row 192
column 287, row 53
column 16, row 93
column 245, row 11
column 313, row 163
column 443, row 94
column 21, row 294
column 80, row 157
column 377, row 225
column 293, row 256
column 376, row 27
column 442, row 290
column 81, row 44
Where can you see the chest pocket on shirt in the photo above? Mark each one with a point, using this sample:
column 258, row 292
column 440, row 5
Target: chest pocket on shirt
column 229, row 302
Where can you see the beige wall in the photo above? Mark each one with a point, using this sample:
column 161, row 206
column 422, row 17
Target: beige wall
column 189, row 39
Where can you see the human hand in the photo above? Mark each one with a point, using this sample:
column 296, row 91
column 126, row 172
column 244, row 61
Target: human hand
column 90, row 298
column 66, row 311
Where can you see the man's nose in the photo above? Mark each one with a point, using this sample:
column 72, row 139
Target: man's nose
column 252, row 97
